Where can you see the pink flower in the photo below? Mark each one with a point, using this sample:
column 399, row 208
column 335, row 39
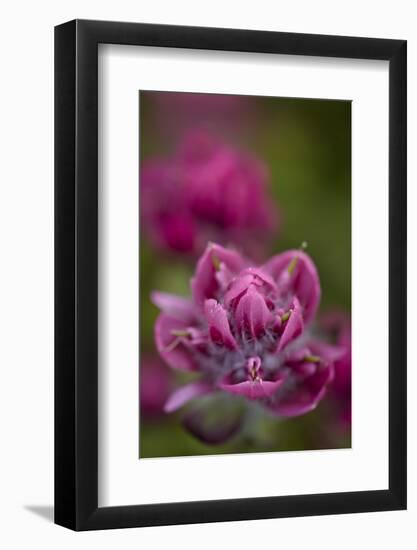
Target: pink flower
column 206, row 191
column 246, row 332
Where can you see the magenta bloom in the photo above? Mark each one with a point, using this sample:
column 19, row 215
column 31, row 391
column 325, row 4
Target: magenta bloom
column 245, row 331
column 206, row 191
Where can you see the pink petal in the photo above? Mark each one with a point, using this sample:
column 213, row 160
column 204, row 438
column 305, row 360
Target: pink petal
column 253, row 389
column 252, row 314
column 224, row 276
column 261, row 275
column 237, row 288
column 184, row 394
column 170, row 346
column 294, row 326
column 174, row 306
column 218, row 324
column 204, row 284
column 297, row 355
column 304, row 396
column 303, row 282
column 327, row 352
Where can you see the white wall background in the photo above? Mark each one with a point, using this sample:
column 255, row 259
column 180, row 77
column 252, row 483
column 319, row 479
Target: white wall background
column 26, row 273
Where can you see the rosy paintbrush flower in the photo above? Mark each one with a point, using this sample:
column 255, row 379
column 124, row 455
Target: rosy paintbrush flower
column 245, row 332
column 206, row 191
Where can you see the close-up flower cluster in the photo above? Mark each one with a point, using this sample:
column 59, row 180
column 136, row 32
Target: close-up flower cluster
column 245, row 338
column 246, row 331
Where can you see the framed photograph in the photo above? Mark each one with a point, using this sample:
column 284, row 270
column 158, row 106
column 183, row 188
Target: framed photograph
column 230, row 285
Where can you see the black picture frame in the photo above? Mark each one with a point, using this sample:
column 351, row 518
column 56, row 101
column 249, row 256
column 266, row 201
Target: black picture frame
column 76, row 272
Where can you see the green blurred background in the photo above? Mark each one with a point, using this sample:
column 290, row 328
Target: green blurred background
column 306, row 145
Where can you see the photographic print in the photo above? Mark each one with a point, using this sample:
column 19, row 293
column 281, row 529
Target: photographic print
column 245, row 274
column 205, row 248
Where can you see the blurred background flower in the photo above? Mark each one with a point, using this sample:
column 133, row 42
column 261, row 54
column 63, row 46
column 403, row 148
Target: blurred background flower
column 206, row 190
column 305, row 149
